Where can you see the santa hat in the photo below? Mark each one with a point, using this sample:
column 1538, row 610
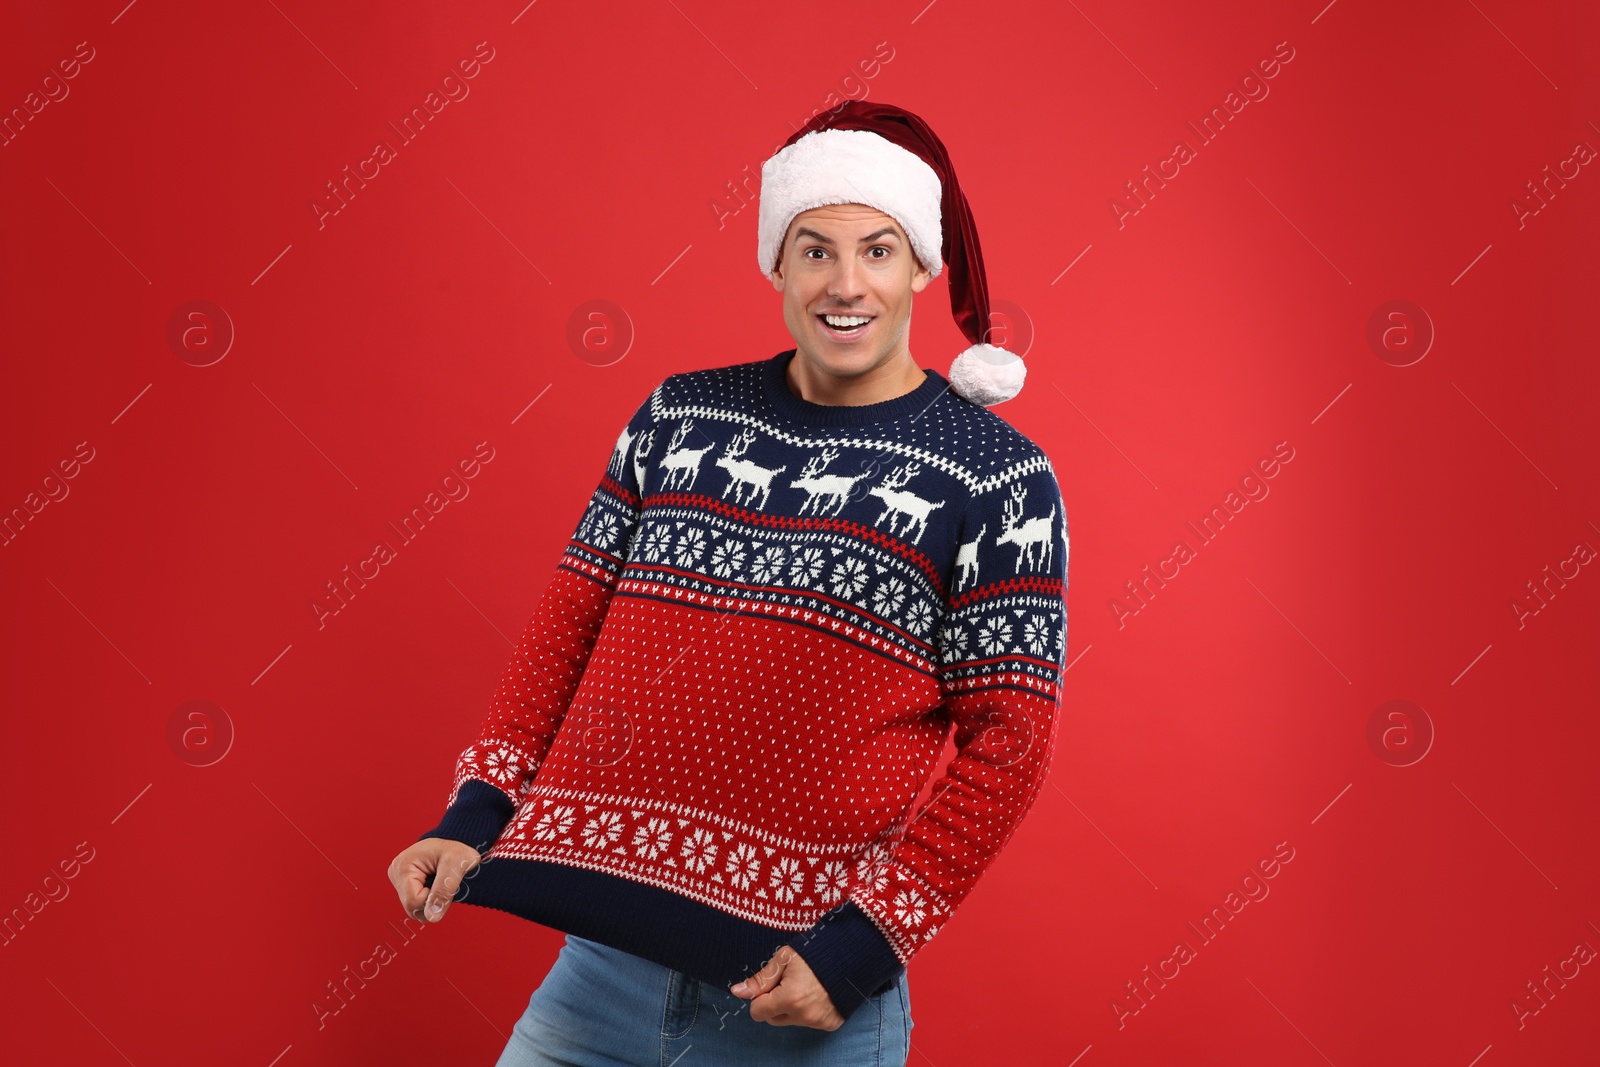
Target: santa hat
column 885, row 157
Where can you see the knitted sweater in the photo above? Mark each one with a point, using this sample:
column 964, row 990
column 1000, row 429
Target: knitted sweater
column 711, row 734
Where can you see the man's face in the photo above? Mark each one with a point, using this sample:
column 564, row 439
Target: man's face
column 853, row 260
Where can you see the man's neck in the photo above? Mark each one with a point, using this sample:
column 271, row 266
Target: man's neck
column 895, row 378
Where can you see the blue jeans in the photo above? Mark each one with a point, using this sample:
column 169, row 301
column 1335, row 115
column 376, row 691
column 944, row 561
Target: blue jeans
column 601, row 1007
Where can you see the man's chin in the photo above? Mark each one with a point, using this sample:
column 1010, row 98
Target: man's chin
column 844, row 361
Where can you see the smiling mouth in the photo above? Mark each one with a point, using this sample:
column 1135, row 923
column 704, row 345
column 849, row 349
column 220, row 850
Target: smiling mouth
column 845, row 325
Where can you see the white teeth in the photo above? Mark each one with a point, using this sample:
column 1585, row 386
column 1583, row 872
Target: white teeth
column 847, row 320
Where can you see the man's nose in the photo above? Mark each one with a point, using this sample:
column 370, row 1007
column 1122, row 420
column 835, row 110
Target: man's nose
column 847, row 280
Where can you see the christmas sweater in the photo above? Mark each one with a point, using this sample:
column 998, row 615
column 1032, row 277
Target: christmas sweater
column 770, row 619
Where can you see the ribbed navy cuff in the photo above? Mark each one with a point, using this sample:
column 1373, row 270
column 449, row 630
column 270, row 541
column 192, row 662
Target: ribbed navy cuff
column 476, row 818
column 849, row 956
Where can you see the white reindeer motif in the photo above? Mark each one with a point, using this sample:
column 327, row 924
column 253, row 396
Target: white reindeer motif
column 912, row 506
column 646, row 442
column 682, row 463
column 967, row 559
column 619, row 454
column 742, row 472
column 1027, row 534
column 836, row 488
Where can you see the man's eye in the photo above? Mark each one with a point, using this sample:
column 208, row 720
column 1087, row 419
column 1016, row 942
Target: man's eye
column 879, row 248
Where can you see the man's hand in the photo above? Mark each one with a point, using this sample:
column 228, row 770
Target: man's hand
column 786, row 993
column 448, row 861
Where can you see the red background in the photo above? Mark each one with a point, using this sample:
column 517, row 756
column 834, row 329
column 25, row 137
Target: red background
column 374, row 350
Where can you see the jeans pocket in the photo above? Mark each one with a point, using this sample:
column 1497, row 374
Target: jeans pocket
column 682, row 1005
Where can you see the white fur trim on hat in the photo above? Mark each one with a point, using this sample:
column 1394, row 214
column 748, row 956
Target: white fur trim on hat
column 986, row 374
column 850, row 167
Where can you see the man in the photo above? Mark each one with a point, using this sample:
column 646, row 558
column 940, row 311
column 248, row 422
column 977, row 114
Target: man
column 795, row 577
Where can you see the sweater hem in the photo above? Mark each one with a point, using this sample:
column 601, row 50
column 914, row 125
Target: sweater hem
column 675, row 931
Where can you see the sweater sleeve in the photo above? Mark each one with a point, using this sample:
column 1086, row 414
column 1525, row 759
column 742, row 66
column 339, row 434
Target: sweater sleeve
column 494, row 772
column 1001, row 655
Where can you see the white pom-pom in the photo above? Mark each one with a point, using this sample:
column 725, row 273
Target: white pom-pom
column 987, row 375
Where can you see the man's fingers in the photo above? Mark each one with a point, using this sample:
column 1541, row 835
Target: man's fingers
column 769, row 1002
column 412, row 887
column 408, row 874
column 777, row 1008
column 427, row 875
column 439, row 897
column 453, row 867
column 765, row 978
column 786, row 993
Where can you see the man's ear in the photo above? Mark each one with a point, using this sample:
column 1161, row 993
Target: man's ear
column 920, row 278
column 776, row 274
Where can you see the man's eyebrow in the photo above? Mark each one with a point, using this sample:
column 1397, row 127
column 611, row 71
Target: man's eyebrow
column 806, row 231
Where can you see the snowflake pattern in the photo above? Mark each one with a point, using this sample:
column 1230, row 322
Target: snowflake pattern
column 910, row 909
column 691, row 546
column 602, row 831
column 727, row 558
column 657, row 543
column 653, row 838
column 743, row 865
column 1038, row 635
column 769, row 564
column 891, row 593
column 849, row 578
column 806, row 567
column 604, row 531
column 872, row 870
column 502, row 765
column 555, row 823
column 919, row 617
column 832, row 880
column 699, row 851
column 786, row 879
column 994, row 634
